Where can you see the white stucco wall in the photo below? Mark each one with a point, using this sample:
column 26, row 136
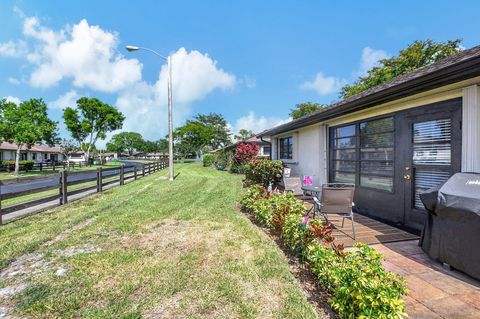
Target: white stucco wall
column 309, row 153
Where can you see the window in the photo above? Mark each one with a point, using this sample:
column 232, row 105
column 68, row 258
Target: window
column 23, row 156
column 34, row 156
column 362, row 153
column 266, row 150
column 286, row 149
column 432, row 148
column 376, row 154
column 344, row 159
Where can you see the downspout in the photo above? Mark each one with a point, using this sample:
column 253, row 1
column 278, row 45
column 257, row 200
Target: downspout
column 261, row 139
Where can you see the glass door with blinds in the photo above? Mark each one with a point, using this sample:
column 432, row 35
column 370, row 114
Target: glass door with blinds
column 433, row 153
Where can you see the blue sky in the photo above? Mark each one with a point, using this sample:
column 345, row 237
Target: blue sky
column 251, row 61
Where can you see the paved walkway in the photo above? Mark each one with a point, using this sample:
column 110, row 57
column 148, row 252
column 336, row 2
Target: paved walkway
column 434, row 291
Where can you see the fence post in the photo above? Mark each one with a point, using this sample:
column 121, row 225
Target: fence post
column 53, row 163
column 41, row 164
column 122, row 175
column 99, row 180
column 149, row 168
column 1, row 221
column 63, row 188
column 143, row 171
column 135, row 172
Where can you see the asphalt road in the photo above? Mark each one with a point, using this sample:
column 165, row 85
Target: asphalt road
column 55, row 180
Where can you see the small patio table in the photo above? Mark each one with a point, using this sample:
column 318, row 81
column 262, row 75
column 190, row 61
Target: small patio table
column 315, row 191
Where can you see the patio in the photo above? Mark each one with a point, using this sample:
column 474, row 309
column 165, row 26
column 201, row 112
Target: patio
column 435, row 292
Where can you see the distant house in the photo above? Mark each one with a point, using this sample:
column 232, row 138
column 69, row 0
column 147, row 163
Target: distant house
column 39, row 153
column 113, row 156
column 264, row 146
column 77, row 157
column 392, row 141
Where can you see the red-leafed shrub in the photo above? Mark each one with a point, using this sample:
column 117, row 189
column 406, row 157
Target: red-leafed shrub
column 245, row 153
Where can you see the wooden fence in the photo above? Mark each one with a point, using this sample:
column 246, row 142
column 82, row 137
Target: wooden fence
column 56, row 186
column 42, row 166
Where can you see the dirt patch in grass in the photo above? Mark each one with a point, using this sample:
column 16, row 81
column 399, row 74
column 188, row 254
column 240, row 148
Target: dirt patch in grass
column 172, row 240
column 316, row 294
column 63, row 235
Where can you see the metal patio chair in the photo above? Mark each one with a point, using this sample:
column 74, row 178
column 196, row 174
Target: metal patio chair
column 294, row 185
column 337, row 198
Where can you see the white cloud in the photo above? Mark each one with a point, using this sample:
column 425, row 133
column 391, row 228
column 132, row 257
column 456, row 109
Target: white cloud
column 68, row 99
column 256, row 123
column 13, row 81
column 324, row 85
column 194, row 75
column 12, row 99
column 371, row 58
column 13, row 49
column 87, row 56
column 82, row 52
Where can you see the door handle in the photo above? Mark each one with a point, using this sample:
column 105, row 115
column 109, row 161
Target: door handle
column 407, row 177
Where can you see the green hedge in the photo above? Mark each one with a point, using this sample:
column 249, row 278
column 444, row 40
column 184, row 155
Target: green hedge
column 263, row 171
column 208, row 160
column 24, row 164
column 360, row 286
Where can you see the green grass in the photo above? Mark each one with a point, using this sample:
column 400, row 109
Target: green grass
column 159, row 250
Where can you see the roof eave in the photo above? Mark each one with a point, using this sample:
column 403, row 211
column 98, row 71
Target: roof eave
column 455, row 73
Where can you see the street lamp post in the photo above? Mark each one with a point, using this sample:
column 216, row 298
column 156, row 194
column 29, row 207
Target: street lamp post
column 131, row 48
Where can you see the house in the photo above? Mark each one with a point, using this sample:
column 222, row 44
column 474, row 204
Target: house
column 77, row 157
column 264, row 146
column 392, row 141
column 39, row 153
column 113, row 156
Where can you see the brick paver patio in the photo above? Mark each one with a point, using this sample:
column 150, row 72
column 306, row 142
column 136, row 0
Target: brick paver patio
column 434, row 291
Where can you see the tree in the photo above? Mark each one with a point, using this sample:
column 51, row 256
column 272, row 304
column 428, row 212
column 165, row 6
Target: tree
column 243, row 134
column 221, row 132
column 192, row 137
column 25, row 125
column 68, row 147
column 90, row 121
column 125, row 142
column 303, row 109
column 416, row 55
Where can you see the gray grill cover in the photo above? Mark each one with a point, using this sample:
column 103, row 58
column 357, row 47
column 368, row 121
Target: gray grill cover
column 452, row 230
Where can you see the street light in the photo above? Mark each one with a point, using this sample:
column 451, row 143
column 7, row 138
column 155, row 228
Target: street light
column 131, row 48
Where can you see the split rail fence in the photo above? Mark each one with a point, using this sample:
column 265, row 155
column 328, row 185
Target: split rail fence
column 40, row 192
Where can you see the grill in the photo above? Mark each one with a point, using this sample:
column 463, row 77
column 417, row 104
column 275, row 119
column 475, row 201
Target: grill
column 452, row 230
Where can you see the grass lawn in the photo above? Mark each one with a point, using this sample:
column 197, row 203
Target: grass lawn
column 149, row 249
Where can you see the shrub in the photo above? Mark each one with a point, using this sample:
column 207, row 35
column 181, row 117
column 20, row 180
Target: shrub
column 360, row 285
column 263, row 171
column 26, row 165
column 223, row 158
column 235, row 168
column 208, row 160
column 252, row 194
column 245, row 152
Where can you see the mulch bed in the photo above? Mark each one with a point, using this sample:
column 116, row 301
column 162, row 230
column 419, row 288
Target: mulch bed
column 316, row 294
